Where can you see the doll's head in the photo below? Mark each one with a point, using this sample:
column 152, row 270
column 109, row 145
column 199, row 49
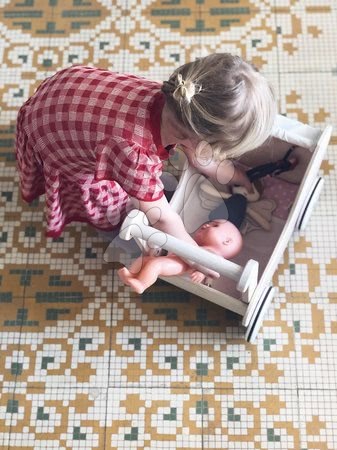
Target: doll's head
column 220, row 236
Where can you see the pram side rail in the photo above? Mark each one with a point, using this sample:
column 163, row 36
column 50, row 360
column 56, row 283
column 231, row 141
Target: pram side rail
column 134, row 226
column 283, row 241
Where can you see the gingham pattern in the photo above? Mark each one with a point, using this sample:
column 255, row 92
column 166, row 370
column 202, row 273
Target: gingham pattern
column 89, row 138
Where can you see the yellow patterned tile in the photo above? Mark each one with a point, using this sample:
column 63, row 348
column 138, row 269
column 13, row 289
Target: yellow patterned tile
column 64, row 418
column 65, row 340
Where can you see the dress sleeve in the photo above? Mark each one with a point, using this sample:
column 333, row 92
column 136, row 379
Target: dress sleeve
column 133, row 168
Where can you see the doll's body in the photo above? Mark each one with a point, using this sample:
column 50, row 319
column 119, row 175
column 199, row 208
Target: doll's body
column 218, row 236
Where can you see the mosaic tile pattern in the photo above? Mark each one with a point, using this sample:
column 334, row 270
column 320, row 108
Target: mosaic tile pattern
column 86, row 364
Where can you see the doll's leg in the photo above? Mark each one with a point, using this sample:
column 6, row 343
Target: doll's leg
column 151, row 269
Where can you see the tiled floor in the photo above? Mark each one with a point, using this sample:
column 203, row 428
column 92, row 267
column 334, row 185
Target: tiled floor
column 86, row 364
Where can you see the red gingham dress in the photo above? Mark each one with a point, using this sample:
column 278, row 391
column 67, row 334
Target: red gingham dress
column 88, row 139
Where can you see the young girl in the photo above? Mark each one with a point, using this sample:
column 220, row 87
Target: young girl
column 93, row 141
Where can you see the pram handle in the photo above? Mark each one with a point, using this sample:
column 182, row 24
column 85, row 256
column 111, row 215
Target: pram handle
column 135, row 226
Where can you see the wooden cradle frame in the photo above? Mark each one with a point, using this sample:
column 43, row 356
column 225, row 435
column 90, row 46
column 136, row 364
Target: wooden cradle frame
column 254, row 289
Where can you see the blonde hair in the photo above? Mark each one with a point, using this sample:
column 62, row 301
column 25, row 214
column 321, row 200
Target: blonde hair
column 223, row 100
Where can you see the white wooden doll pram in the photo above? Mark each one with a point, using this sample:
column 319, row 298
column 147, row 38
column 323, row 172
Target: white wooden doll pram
column 245, row 285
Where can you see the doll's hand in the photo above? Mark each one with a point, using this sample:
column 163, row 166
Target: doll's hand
column 197, row 277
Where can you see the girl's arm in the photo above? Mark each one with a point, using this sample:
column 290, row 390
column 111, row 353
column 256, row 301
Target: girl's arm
column 161, row 216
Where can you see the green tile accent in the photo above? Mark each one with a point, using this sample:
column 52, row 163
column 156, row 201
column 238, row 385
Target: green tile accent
column 145, row 44
column 201, row 319
column 292, row 269
column 171, row 12
column 53, row 314
column 136, row 342
column 174, row 24
column 297, row 326
column 59, row 297
column 202, row 369
column 81, row 13
column 78, row 436
column 50, row 29
column 201, row 407
column 200, row 26
column 8, row 195
column 30, row 231
column 102, row 45
column 55, row 280
column 231, row 360
column 7, row 156
column 25, row 3
column 46, row 360
column 3, row 236
column 133, row 435
column 24, row 58
column 232, row 417
column 16, row 368
column 267, row 343
column 89, row 254
column 21, row 320
column 47, row 62
column 41, row 414
column 170, row 313
column 172, row 360
column 34, row 203
column 19, row 93
column 255, row 42
column 24, row 25
column 26, row 275
column 165, row 297
column 84, row 342
column 6, row 297
column 72, row 58
column 271, row 436
column 225, row 23
column 176, row 56
column 7, row 142
column 58, row 239
column 172, row 414
column 79, row 25
column 81, row 3
column 23, row 14
column 229, row 11
column 170, row 2
column 12, row 406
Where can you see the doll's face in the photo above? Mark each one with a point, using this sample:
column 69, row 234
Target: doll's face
column 221, row 235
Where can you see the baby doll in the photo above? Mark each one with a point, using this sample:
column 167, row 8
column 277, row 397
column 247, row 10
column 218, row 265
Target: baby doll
column 218, row 236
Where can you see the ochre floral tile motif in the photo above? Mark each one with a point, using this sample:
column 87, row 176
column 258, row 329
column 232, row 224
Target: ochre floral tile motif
column 84, row 363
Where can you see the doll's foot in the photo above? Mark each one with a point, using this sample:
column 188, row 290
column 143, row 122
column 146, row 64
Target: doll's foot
column 126, row 276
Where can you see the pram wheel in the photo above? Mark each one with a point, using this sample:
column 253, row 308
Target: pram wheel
column 308, row 207
column 255, row 322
